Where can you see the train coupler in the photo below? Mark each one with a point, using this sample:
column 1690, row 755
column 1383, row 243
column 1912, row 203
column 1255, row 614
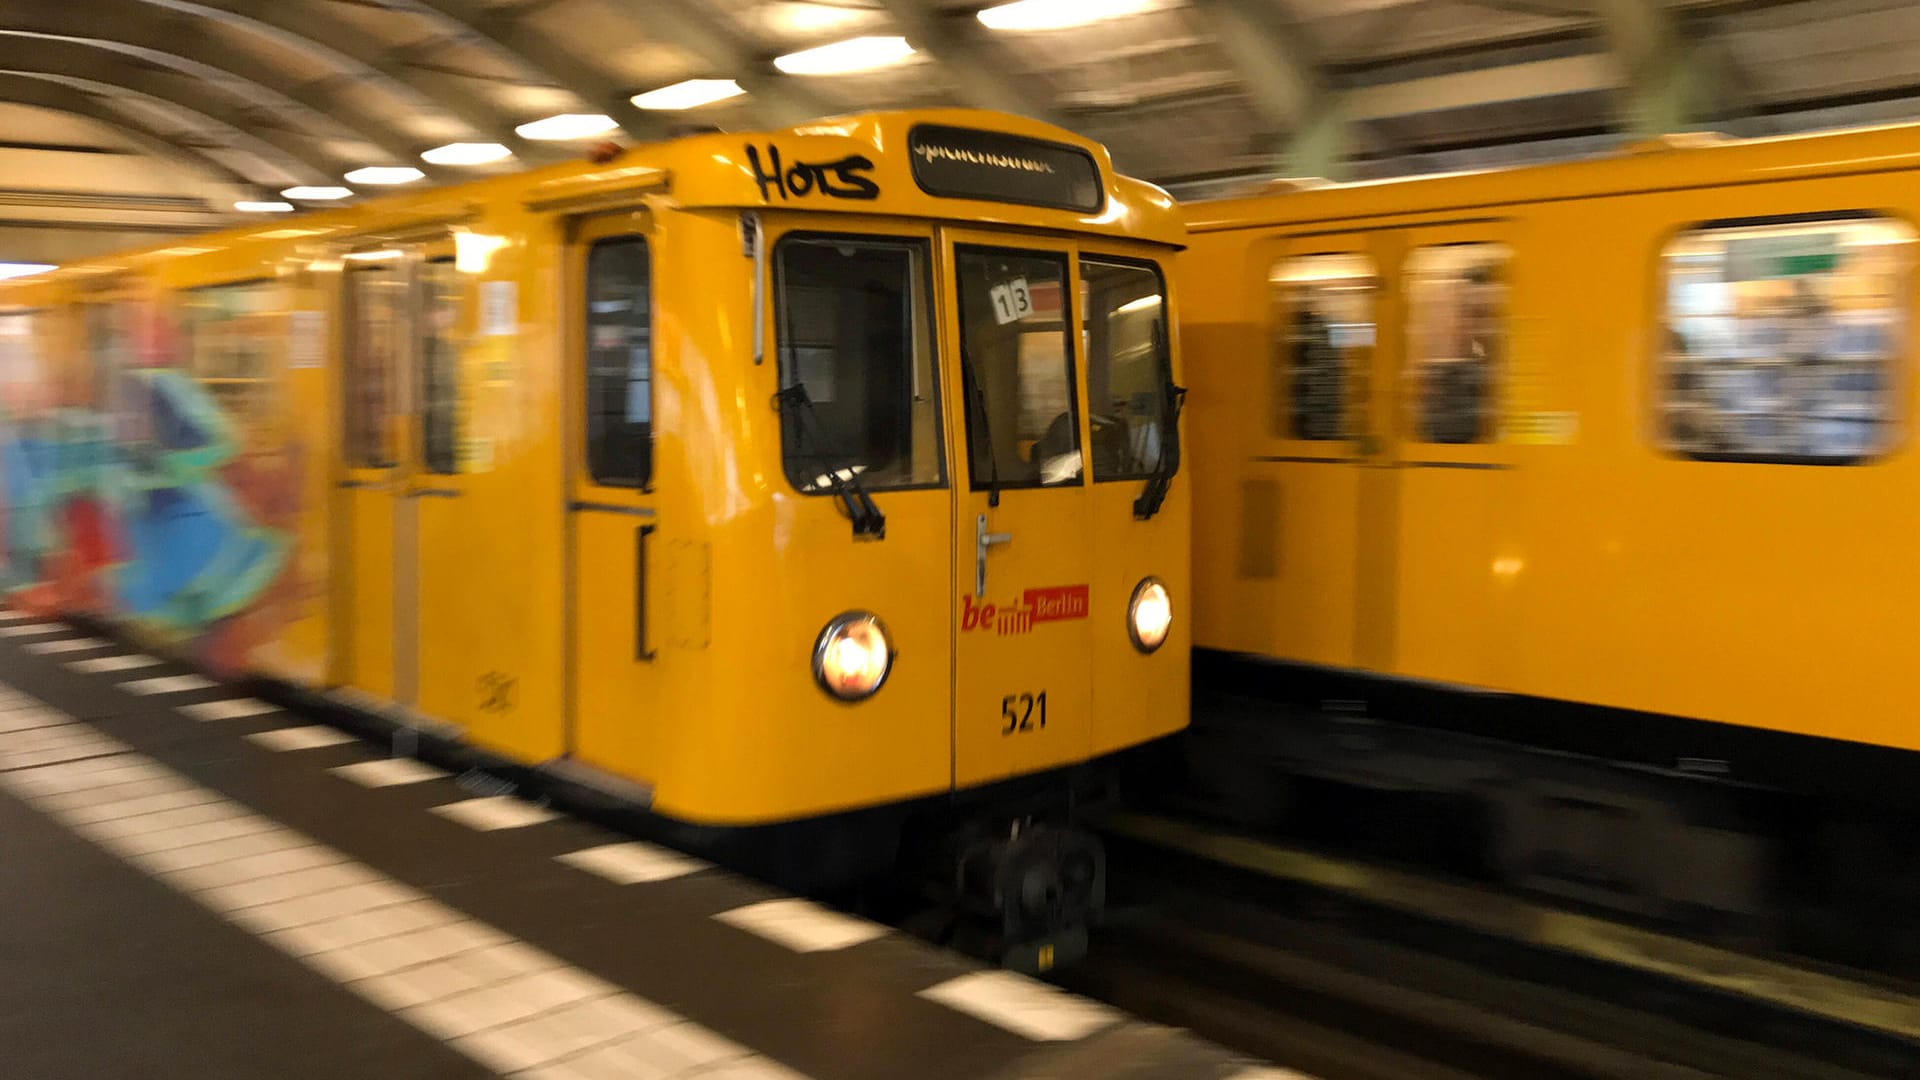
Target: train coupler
column 1028, row 893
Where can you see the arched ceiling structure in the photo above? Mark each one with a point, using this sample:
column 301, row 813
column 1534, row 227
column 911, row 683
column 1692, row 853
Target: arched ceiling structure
column 212, row 102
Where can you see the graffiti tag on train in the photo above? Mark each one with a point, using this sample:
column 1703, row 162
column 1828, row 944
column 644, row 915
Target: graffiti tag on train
column 1055, row 604
column 843, row 179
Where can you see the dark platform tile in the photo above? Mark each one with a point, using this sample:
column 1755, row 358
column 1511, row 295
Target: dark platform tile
column 112, row 974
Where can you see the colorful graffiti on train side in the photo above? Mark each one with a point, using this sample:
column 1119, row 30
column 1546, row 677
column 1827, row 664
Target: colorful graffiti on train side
column 143, row 476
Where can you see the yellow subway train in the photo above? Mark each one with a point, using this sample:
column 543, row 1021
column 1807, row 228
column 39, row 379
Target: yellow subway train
column 803, row 483
column 1579, row 493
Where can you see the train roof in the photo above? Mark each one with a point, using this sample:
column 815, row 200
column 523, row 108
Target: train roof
column 966, row 165
column 1668, row 163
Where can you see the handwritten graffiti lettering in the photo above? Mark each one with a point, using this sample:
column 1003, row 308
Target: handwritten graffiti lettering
column 496, row 690
column 842, row 179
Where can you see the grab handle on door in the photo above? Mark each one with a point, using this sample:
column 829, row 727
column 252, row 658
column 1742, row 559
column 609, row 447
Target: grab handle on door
column 641, row 651
column 982, row 540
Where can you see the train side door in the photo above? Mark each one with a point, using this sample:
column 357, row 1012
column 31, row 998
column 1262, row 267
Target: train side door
column 376, row 342
column 1022, row 544
column 1447, row 434
column 438, row 636
column 611, row 507
column 1317, row 484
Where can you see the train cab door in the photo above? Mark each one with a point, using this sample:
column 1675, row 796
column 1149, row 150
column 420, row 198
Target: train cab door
column 1319, row 483
column 1023, row 532
column 401, row 488
column 1443, row 427
column 377, row 314
column 437, row 636
column 611, row 505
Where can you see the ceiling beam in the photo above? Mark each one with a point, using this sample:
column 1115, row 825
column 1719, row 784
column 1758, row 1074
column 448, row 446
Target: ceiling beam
column 507, row 32
column 167, row 34
column 979, row 66
column 70, row 59
column 1670, row 84
column 775, row 100
column 308, row 28
column 61, row 97
column 1283, row 80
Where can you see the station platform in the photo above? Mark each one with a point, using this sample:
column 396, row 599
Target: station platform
column 198, row 883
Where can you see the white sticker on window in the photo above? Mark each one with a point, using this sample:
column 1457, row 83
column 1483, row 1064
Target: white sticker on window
column 307, row 340
column 1011, row 302
column 499, row 308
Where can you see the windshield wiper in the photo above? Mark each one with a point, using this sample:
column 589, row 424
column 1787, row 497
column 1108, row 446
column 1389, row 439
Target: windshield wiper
column 977, row 399
column 1173, row 399
column 843, row 481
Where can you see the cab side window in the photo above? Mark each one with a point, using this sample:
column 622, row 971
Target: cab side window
column 619, row 361
column 1323, row 344
column 1456, row 340
column 1780, row 339
column 376, row 334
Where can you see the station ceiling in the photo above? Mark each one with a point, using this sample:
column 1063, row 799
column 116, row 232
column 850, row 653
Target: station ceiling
column 121, row 120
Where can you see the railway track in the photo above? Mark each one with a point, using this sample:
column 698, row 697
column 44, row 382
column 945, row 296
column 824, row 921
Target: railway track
column 1348, row 971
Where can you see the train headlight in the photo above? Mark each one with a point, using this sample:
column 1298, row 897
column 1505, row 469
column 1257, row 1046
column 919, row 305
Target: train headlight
column 852, row 656
column 1149, row 614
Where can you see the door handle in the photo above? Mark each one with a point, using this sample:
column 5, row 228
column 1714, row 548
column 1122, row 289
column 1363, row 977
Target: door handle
column 982, row 540
column 641, row 651
column 433, row 493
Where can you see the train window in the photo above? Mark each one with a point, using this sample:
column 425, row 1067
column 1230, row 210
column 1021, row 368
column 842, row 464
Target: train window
column 231, row 332
column 1780, row 338
column 441, row 296
column 1128, row 368
column 620, row 362
column 1456, row 335
column 1323, row 344
column 856, row 362
column 376, row 336
column 1022, row 427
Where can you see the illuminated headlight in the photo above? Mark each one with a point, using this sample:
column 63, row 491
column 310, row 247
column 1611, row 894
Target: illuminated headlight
column 852, row 656
column 1149, row 614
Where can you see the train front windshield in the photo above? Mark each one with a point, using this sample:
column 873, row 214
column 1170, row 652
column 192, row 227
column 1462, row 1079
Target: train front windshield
column 1018, row 368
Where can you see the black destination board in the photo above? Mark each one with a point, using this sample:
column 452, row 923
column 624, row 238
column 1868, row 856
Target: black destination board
column 963, row 163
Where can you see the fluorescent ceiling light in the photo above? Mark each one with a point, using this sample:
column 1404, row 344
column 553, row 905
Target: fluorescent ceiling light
column 843, row 57
column 247, row 206
column 372, row 256
column 13, row 269
column 385, row 174
column 467, row 153
column 1145, row 303
column 316, row 193
column 690, row 94
column 1057, row 14
column 567, row 126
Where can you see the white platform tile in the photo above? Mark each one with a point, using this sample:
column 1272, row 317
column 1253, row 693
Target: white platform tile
column 124, row 662
column 502, row 1002
column 388, row 772
column 1269, row 1072
column 230, row 709
column 300, row 738
column 66, row 645
column 168, row 684
column 801, row 925
column 11, row 615
column 32, row 629
column 633, row 863
column 495, row 812
column 1023, row 1006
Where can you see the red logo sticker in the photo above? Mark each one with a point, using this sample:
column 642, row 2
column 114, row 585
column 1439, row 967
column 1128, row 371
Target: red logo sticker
column 1053, row 604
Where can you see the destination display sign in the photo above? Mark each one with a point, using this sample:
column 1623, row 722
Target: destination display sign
column 962, row 163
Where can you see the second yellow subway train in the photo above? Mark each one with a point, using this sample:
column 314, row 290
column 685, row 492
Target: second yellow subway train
column 1611, row 459
column 798, row 483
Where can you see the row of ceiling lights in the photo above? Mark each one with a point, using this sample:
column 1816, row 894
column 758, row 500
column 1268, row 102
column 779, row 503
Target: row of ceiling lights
column 839, row 58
